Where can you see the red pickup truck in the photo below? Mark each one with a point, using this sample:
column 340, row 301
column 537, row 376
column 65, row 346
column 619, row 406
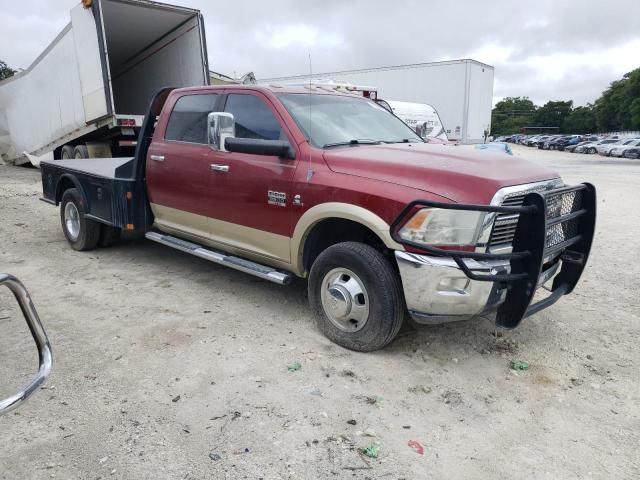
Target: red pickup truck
column 310, row 182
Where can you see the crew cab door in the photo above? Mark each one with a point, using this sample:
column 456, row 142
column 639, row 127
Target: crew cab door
column 178, row 173
column 253, row 192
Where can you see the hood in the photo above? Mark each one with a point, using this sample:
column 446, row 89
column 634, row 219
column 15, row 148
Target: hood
column 461, row 174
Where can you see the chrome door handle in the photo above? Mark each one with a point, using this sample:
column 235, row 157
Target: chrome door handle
column 219, row 168
column 157, row 158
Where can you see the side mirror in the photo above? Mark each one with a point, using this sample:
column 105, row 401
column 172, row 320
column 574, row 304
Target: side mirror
column 39, row 336
column 220, row 126
column 276, row 148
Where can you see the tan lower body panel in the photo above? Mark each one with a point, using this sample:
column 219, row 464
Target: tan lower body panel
column 268, row 248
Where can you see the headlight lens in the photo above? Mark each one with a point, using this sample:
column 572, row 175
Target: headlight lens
column 443, row 227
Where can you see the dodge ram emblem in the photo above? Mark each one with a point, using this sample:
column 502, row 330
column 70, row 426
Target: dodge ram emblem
column 276, row 198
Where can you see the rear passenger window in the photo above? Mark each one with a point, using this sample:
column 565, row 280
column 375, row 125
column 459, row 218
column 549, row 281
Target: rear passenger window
column 188, row 120
column 253, row 117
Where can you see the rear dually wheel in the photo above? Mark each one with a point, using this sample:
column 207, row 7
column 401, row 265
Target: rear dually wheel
column 81, row 233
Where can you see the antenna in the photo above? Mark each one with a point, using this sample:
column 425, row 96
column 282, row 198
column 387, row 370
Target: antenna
column 309, row 169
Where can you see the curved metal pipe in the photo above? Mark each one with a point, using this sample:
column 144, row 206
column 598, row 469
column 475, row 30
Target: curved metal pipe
column 39, row 335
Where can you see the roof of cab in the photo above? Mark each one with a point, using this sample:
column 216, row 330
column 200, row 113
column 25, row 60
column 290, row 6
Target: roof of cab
column 278, row 88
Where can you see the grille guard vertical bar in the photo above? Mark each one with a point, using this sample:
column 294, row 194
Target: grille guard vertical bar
column 39, row 335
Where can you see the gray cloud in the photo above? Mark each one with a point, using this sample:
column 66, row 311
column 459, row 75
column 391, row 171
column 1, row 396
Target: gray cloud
column 545, row 50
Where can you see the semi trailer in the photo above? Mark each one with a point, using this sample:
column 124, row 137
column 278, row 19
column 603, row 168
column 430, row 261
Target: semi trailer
column 461, row 91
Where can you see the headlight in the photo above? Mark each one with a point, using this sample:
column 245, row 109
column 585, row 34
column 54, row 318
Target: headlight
column 443, row 227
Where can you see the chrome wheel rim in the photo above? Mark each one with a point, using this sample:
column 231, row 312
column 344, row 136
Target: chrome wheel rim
column 345, row 300
column 72, row 220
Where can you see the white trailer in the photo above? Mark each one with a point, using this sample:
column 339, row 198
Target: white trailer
column 460, row 90
column 86, row 94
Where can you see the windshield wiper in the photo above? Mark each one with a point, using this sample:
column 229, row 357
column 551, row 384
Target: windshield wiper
column 404, row 140
column 355, row 141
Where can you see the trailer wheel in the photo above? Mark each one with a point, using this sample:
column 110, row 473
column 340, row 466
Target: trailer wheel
column 356, row 296
column 81, row 151
column 82, row 233
column 109, row 235
column 67, row 152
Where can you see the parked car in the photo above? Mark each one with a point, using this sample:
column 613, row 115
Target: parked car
column 584, row 141
column 632, row 153
column 525, row 139
column 534, row 142
column 619, row 150
column 592, row 147
column 329, row 186
column 572, row 148
column 567, row 142
column 530, row 141
column 552, row 144
column 605, row 149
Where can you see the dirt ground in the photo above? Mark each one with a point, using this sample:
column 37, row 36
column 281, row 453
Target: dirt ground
column 167, row 366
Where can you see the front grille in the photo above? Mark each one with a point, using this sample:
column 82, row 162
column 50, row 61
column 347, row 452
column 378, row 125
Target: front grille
column 504, row 228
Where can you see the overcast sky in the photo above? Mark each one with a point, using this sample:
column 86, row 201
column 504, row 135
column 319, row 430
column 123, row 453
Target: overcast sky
column 546, row 50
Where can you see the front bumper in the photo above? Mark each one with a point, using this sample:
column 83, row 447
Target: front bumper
column 436, row 290
column 552, row 240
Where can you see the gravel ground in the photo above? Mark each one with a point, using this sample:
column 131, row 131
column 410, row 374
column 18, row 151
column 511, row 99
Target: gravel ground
column 167, row 366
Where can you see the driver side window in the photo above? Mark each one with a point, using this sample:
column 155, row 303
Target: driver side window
column 253, row 118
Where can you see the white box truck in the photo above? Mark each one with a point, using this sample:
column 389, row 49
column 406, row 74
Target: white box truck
column 86, row 94
column 460, row 90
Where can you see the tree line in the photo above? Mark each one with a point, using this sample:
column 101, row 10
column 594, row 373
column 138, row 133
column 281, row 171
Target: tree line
column 617, row 109
column 5, row 70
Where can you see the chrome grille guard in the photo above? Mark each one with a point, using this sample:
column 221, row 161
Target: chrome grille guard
column 554, row 224
column 39, row 335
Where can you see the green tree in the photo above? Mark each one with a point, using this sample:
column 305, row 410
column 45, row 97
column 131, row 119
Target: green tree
column 511, row 114
column 580, row 120
column 617, row 108
column 634, row 109
column 553, row 113
column 5, row 70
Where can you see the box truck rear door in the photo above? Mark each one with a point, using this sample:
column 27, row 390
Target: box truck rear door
column 90, row 63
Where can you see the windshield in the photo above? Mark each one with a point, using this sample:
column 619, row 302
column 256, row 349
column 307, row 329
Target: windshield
column 333, row 120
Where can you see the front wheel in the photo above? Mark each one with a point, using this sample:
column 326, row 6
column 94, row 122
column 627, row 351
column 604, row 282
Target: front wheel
column 356, row 296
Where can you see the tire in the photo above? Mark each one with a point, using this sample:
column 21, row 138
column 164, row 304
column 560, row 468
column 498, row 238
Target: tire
column 591, row 151
column 67, row 152
column 81, row 151
column 108, row 235
column 381, row 302
column 86, row 234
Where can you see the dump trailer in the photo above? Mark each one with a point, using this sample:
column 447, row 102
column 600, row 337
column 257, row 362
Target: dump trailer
column 87, row 93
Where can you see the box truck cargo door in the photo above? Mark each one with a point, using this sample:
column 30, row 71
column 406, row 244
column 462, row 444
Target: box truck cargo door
column 90, row 63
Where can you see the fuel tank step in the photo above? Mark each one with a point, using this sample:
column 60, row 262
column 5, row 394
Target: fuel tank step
column 247, row 266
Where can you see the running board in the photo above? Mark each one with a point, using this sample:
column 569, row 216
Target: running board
column 247, row 266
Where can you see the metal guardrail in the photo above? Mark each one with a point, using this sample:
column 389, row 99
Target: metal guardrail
column 39, row 335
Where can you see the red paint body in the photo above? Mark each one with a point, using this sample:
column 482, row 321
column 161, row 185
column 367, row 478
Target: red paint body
column 380, row 178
